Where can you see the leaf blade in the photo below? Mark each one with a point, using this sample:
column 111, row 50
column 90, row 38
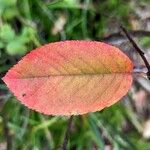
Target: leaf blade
column 71, row 77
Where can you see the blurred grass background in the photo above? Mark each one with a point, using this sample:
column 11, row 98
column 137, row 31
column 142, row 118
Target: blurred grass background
column 27, row 24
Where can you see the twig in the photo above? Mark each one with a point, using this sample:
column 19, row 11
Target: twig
column 118, row 36
column 65, row 143
column 7, row 134
column 141, row 53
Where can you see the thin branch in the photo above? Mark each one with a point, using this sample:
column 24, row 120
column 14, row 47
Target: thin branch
column 119, row 36
column 7, row 134
column 141, row 53
column 67, row 134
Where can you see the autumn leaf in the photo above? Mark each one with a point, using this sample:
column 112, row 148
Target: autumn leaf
column 71, row 77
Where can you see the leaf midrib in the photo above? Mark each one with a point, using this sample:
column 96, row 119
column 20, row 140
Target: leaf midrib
column 75, row 75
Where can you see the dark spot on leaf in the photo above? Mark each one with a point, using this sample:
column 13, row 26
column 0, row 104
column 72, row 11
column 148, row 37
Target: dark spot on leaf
column 23, row 94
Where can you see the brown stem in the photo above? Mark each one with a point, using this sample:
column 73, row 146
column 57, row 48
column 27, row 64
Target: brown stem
column 119, row 36
column 141, row 53
column 7, row 134
column 67, row 134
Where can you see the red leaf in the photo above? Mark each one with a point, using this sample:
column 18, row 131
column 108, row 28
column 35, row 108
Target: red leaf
column 71, row 77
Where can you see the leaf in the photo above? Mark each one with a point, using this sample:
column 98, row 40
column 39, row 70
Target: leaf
column 16, row 47
column 7, row 33
column 71, row 77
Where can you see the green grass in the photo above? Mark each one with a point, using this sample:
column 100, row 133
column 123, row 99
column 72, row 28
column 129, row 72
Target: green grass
column 27, row 24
